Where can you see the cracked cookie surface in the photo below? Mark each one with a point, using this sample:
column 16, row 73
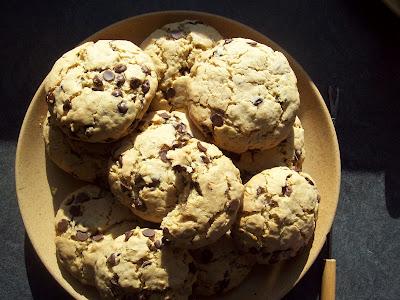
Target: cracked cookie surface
column 140, row 174
column 174, row 48
column 166, row 176
column 243, row 95
column 220, row 267
column 290, row 153
column 85, row 161
column 138, row 265
column 85, row 222
column 97, row 92
column 278, row 217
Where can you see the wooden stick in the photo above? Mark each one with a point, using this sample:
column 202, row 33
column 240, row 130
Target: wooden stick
column 328, row 286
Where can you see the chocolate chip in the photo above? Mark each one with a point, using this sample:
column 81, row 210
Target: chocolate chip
column 128, row 234
column 148, row 232
column 184, row 70
column 122, row 108
column 98, row 237
column 260, row 190
column 192, row 268
column 201, row 147
column 119, row 80
column 75, row 211
column 145, row 87
column 252, row 43
column 135, row 83
column 154, row 183
column 67, row 105
column 181, row 128
column 97, row 81
column 158, row 244
column 176, row 34
column 205, row 159
column 196, row 186
column 164, row 115
column 206, row 256
column 217, row 120
column 62, row 226
column 50, row 98
column 163, row 153
column 81, row 236
column 206, row 131
column 114, row 280
column 286, row 190
column 139, row 205
column 112, row 260
column 146, row 70
column 120, row 68
column 227, row 41
column 170, row 93
column 179, row 168
column 146, row 263
column 309, row 180
column 108, row 75
column 257, row 101
column 81, row 197
column 117, row 93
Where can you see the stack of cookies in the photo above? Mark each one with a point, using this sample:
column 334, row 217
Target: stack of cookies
column 193, row 151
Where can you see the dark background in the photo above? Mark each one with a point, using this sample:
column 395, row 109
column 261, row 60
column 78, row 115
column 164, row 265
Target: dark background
column 349, row 44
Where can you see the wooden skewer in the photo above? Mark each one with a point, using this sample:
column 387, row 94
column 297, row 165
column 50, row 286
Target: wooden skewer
column 328, row 286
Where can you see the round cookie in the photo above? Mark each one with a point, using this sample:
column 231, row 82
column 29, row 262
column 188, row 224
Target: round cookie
column 139, row 266
column 85, row 221
column 278, row 216
column 290, row 153
column 174, row 48
column 140, row 175
column 99, row 91
column 85, row 161
column 220, row 267
column 163, row 174
column 243, row 95
column 213, row 193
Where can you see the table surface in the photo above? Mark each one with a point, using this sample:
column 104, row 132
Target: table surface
column 354, row 45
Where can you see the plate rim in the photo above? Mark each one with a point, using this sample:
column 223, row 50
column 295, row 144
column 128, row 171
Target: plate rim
column 199, row 13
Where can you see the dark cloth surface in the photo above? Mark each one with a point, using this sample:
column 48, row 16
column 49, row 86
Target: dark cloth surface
column 351, row 44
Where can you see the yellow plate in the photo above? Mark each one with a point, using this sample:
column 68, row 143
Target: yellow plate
column 37, row 178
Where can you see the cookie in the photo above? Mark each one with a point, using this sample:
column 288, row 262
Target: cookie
column 140, row 175
column 85, row 161
column 243, row 95
column 99, row 91
column 85, row 221
column 165, row 175
column 279, row 213
column 220, row 267
column 139, row 266
column 290, row 153
column 174, row 48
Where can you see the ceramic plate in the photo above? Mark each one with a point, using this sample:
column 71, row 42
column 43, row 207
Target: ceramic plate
column 41, row 185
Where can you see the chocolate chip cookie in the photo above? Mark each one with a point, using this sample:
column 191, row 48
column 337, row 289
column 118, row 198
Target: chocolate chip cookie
column 220, row 267
column 290, row 153
column 243, row 95
column 98, row 91
column 279, row 212
column 84, row 161
column 138, row 265
column 86, row 220
column 174, row 48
